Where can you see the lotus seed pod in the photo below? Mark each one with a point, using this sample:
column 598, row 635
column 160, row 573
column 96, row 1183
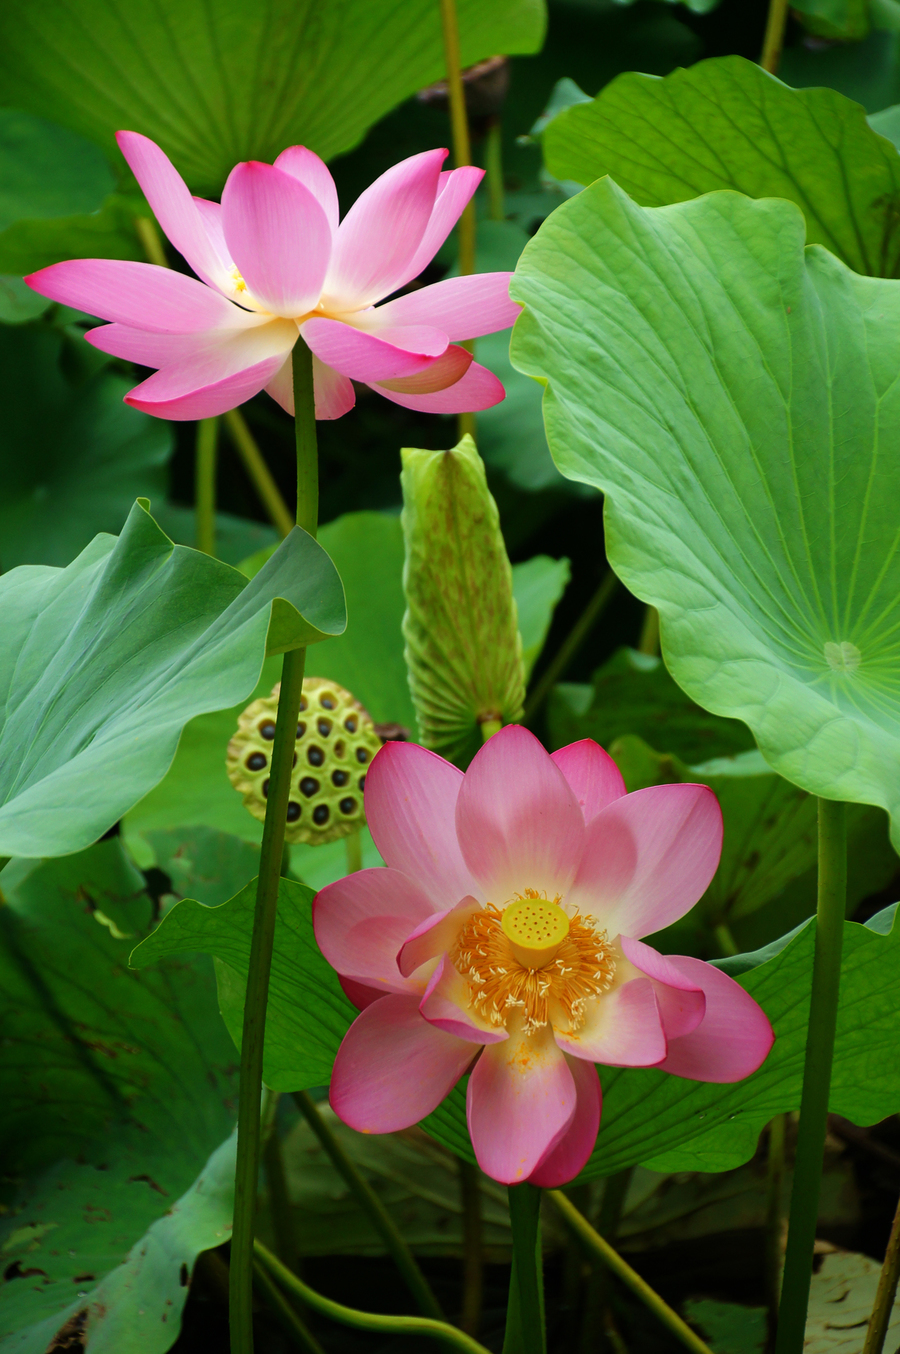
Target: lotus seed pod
column 336, row 740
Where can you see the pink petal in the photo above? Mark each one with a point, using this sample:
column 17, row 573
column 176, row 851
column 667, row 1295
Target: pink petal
column 435, row 935
column 563, row 1162
column 410, row 800
column 334, row 393
column 281, row 386
column 623, row 1028
column 518, row 823
column 206, row 401
column 305, row 166
column 138, row 294
column 681, row 1001
column 358, row 993
column 211, row 216
column 150, row 349
column 393, row 1068
column 365, row 357
column 217, row 368
column 520, row 1101
column 378, row 238
column 173, row 206
column 648, row 858
column 463, row 307
column 278, row 236
column 478, row 389
column 734, row 1037
column 442, row 372
column 592, row 774
column 455, row 188
column 361, row 921
column 447, row 1005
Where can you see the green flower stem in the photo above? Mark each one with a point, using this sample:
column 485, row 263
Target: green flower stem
column 774, row 37
column 353, row 846
column 649, row 638
column 473, row 1259
column 205, row 484
column 348, row 1316
column 525, row 1326
column 571, row 644
column 286, row 1314
column 774, row 1217
column 270, row 859
column 493, row 171
column 823, row 1008
column 377, row 1214
column 459, row 125
column 887, row 1291
column 258, row 472
column 462, row 155
column 725, row 939
column 151, row 242
column 600, row 1249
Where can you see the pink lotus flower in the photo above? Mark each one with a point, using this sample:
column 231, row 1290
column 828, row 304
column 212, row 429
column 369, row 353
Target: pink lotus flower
column 504, row 938
column 274, row 261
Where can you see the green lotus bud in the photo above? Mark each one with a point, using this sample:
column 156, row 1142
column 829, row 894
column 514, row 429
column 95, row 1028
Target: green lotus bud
column 336, row 740
column 463, row 649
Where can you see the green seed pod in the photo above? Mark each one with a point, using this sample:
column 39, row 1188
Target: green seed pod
column 336, row 740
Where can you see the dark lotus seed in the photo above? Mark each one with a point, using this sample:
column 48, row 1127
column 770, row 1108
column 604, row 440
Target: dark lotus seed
column 350, row 723
column 294, row 812
column 340, row 747
column 256, row 761
column 362, row 782
column 267, row 729
column 301, row 729
column 320, row 814
column 265, row 787
column 309, row 786
column 339, row 778
column 348, row 805
column 315, row 756
column 324, row 727
column 327, row 702
column 303, row 705
column 362, row 755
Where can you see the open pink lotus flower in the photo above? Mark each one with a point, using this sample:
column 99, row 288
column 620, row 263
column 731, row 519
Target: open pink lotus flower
column 504, row 937
column 274, row 261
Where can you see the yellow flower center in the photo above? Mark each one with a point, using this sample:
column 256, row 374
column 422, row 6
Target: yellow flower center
column 239, row 283
column 529, row 955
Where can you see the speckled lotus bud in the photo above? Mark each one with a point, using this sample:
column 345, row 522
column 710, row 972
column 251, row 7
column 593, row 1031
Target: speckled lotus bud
column 336, row 740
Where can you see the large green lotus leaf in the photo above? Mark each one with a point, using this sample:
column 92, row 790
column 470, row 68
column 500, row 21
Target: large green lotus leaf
column 367, row 548
column 670, row 1124
column 726, row 123
column 214, row 84
column 736, row 398
column 307, row 1015
column 104, row 662
column 73, row 458
column 116, row 1088
column 632, row 693
column 47, row 171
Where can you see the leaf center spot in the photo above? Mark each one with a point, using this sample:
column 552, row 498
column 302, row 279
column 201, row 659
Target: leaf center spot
column 843, row 657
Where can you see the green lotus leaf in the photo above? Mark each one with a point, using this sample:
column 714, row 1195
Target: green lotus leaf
column 214, row 84
column 735, row 396
column 117, row 1089
column 726, row 123
column 104, row 662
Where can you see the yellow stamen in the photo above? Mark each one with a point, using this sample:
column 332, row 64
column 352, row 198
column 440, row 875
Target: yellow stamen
column 488, row 953
column 239, row 283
